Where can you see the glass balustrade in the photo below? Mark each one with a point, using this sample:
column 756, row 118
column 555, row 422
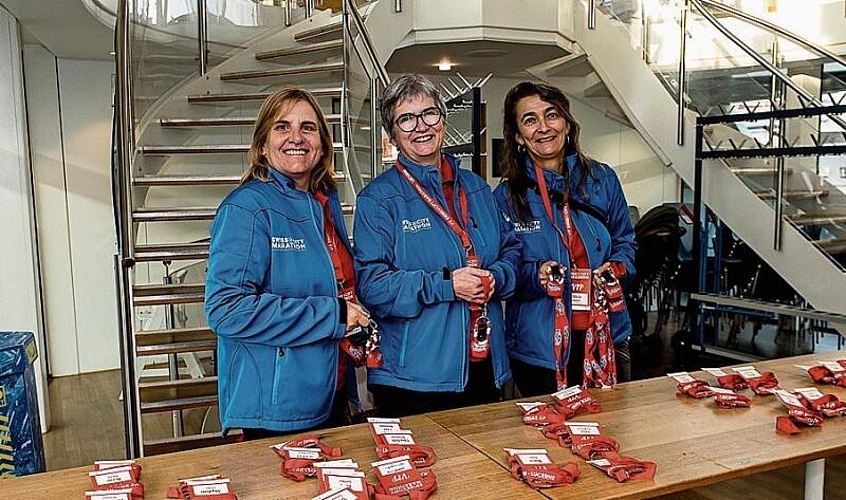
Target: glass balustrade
column 723, row 79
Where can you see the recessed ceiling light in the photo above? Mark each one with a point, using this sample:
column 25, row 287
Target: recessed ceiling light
column 444, row 65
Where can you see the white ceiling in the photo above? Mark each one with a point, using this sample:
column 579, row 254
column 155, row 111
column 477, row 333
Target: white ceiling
column 65, row 27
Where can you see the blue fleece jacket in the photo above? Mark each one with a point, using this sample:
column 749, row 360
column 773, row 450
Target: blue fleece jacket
column 601, row 217
column 402, row 251
column 272, row 300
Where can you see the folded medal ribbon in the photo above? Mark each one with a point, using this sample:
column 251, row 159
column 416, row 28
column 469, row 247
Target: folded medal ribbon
column 211, row 489
column 420, row 456
column 575, row 401
column 118, row 478
column 732, row 401
column 824, row 375
column 764, row 384
column 543, row 415
column 545, row 475
column 298, row 456
column 828, row 404
column 558, row 432
column 591, row 447
column 797, row 414
column 398, row 477
column 622, row 469
column 696, row 389
column 732, row 381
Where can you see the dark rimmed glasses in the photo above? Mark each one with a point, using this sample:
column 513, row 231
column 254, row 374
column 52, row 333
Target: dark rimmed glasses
column 407, row 122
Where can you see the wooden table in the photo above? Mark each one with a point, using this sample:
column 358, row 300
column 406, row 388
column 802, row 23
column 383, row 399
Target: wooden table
column 693, row 443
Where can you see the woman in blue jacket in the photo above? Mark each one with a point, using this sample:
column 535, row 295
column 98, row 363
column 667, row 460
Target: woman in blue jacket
column 571, row 215
column 278, row 287
column 433, row 259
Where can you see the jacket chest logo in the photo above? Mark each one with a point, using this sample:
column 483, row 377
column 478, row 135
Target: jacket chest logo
column 413, row 226
column 531, row 226
column 286, row 244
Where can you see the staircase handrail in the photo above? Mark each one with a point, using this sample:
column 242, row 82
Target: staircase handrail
column 377, row 65
column 775, row 71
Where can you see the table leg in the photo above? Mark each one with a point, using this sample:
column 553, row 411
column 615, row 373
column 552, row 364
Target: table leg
column 814, row 479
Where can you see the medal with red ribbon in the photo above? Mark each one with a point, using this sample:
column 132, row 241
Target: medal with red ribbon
column 204, row 488
column 480, row 324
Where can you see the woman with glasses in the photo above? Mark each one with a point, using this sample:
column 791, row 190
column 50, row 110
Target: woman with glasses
column 567, row 323
column 433, row 261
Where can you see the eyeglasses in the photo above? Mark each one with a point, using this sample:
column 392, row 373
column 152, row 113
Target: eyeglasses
column 409, row 121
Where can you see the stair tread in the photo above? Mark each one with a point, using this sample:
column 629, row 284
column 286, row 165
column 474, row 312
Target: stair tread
column 179, row 404
column 769, row 194
column 204, row 148
column 186, row 179
column 324, row 30
column 307, row 49
column 184, row 382
column 816, row 219
column 176, row 347
column 258, row 96
column 202, row 329
column 295, row 70
column 226, row 121
column 759, row 170
column 832, row 246
column 173, row 444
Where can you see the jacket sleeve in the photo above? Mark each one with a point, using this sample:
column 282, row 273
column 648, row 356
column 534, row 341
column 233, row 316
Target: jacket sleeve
column 619, row 224
column 383, row 288
column 507, row 267
column 237, row 305
column 527, row 286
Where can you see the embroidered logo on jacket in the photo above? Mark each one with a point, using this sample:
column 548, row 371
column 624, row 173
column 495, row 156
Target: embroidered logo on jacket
column 286, row 243
column 412, row 226
column 531, row 226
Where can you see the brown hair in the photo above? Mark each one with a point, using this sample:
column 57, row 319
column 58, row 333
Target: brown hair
column 513, row 163
column 276, row 104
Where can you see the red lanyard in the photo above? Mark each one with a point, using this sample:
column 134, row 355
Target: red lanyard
column 560, row 322
column 341, row 259
column 479, row 323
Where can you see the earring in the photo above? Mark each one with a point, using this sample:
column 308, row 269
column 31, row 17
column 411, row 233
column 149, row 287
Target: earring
column 521, row 148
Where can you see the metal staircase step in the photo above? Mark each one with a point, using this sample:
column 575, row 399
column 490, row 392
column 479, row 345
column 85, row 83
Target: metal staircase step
column 257, row 96
column 817, row 220
column 172, row 390
column 797, row 195
column 204, row 149
column 834, row 246
column 174, row 251
column 296, row 51
column 759, row 170
column 334, row 28
column 179, row 404
column 154, row 337
column 226, row 121
column 186, row 180
column 182, row 443
column 173, row 214
column 152, row 295
column 176, row 347
column 269, row 73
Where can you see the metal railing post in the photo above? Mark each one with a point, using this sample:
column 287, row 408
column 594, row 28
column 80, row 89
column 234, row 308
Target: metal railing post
column 397, row 6
column 776, row 91
column 125, row 259
column 591, row 14
column 375, row 133
column 309, row 8
column 288, row 12
column 202, row 36
column 682, row 69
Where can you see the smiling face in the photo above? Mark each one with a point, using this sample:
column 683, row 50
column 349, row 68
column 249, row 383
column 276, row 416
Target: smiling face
column 423, row 144
column 293, row 145
column 542, row 130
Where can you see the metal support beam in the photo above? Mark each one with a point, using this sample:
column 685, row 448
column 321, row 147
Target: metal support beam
column 202, row 36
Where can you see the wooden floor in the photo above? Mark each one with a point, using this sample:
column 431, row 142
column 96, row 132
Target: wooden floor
column 87, row 425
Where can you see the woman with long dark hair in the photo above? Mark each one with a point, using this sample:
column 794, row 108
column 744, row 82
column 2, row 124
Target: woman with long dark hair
column 566, row 323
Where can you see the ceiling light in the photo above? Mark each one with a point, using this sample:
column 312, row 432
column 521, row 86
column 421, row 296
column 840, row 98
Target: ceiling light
column 444, row 65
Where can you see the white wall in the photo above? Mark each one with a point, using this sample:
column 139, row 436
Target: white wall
column 70, row 119
column 20, row 302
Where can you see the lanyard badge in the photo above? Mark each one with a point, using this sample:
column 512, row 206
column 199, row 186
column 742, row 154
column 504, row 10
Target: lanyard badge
column 480, row 338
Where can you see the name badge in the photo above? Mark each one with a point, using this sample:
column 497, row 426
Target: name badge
column 580, row 280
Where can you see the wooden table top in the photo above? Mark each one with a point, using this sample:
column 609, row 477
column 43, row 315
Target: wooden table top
column 254, row 469
column 692, row 441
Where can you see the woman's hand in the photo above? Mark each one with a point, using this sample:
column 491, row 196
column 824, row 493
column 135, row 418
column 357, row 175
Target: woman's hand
column 545, row 270
column 601, row 269
column 467, row 284
column 356, row 317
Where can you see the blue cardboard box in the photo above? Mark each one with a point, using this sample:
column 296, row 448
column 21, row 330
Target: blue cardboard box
column 21, row 447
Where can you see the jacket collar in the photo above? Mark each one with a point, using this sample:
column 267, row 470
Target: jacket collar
column 285, row 183
column 427, row 173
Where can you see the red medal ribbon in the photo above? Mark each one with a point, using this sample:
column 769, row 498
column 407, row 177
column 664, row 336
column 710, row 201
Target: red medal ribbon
column 591, row 447
column 732, row 401
column 479, row 324
column 732, row 381
column 545, row 475
column 696, row 389
column 764, row 384
column 622, row 469
column 543, row 415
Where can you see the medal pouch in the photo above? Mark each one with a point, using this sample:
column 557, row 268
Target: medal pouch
column 392, row 441
column 399, row 477
column 535, row 468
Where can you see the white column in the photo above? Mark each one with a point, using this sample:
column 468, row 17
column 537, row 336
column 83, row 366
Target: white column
column 20, row 300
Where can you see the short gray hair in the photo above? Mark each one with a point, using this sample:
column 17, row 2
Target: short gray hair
column 408, row 87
